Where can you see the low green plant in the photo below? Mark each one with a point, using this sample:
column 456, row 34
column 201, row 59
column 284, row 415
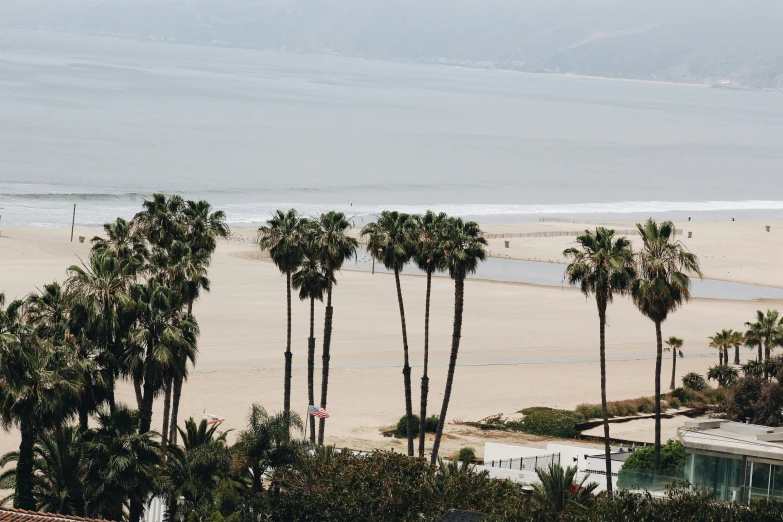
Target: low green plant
column 430, row 426
column 694, row 381
column 589, row 411
column 673, row 403
column 549, row 422
column 466, row 454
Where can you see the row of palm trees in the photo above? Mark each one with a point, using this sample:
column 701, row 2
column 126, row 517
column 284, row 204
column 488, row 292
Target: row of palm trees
column 311, row 251
column 657, row 278
column 126, row 313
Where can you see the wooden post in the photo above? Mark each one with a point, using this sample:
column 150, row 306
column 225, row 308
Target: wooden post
column 73, row 221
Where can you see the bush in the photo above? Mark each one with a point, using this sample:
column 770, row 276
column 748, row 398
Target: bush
column 549, row 422
column 673, row 403
column 466, row 454
column 430, row 426
column 684, row 395
column 642, row 460
column 694, row 381
column 589, row 411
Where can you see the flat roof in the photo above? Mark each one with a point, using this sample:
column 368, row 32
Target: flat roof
column 733, row 438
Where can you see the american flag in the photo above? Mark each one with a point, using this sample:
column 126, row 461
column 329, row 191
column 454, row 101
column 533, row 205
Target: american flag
column 317, row 412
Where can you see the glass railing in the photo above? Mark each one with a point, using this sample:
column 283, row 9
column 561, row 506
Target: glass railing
column 641, row 480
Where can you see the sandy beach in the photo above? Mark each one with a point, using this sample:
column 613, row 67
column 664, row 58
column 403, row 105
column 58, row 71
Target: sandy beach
column 522, row 345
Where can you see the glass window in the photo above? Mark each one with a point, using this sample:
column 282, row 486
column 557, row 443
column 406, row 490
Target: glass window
column 758, row 480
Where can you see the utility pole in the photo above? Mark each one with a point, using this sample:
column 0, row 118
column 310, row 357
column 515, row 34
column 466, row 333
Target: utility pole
column 73, row 221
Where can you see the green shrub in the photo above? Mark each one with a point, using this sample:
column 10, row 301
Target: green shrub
column 694, row 381
column 673, row 403
column 549, row 422
column 645, row 405
column 430, row 426
column 589, row 411
column 466, row 454
column 684, row 395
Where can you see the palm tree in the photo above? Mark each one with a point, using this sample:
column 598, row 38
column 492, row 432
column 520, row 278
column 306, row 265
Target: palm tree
column 601, row 267
column 123, row 241
column 40, row 386
column 428, row 257
column 310, row 280
column 284, row 237
column 122, row 466
column 57, row 462
column 737, row 339
column 194, row 470
column 334, row 247
column 768, row 328
column 463, row 248
column 674, row 344
column 725, row 375
column 267, row 443
column 557, row 490
column 390, row 242
column 721, row 341
column 161, row 220
column 755, row 339
column 661, row 287
column 100, row 287
column 160, row 333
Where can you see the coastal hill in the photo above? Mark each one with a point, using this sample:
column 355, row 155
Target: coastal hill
column 728, row 43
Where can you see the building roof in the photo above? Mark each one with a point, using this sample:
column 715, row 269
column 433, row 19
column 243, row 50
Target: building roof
column 456, row 515
column 734, row 438
column 20, row 515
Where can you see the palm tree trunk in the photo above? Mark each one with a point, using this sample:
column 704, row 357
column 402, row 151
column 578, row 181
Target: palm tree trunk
column 110, row 393
column 311, row 368
column 674, row 367
column 164, row 435
column 148, row 392
column 287, row 385
column 136, row 510
column 459, row 296
column 406, row 368
column 604, row 408
column 736, row 355
column 325, row 356
column 658, row 360
column 137, row 391
column 425, row 381
column 84, row 418
column 720, row 356
column 766, row 351
column 175, row 410
column 726, row 355
column 761, row 358
column 23, row 489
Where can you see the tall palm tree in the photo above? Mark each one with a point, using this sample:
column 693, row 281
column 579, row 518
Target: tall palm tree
column 57, row 463
column 662, row 286
column 161, row 220
column 122, row 466
column 267, row 443
column 674, row 344
column 161, row 331
column 310, row 280
column 737, row 339
column 40, row 386
column 769, row 329
column 334, row 247
column 284, row 238
column 721, row 341
column 204, row 226
column 428, row 257
column 123, row 241
column 100, row 287
column 390, row 242
column 463, row 249
column 601, row 266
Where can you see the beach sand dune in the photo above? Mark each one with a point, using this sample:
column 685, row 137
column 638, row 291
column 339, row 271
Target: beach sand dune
column 522, row 345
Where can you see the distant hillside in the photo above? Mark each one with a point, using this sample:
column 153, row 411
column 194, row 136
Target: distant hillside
column 707, row 41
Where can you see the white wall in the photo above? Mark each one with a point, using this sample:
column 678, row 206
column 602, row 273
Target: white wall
column 496, row 451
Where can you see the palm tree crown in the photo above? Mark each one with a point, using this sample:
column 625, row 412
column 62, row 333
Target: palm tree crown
column 390, row 239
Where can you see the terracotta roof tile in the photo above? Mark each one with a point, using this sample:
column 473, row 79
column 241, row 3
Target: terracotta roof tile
column 20, row 515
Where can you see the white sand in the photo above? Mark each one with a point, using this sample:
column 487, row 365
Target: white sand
column 521, row 346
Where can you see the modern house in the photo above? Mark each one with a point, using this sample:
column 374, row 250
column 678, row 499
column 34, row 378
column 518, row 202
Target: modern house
column 735, row 461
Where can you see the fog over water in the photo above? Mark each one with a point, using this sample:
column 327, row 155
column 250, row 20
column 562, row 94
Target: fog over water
column 103, row 122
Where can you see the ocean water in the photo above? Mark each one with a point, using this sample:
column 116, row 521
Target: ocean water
column 103, row 123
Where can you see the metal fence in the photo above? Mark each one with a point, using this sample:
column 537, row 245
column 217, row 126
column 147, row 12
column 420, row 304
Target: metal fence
column 526, row 463
column 558, row 233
